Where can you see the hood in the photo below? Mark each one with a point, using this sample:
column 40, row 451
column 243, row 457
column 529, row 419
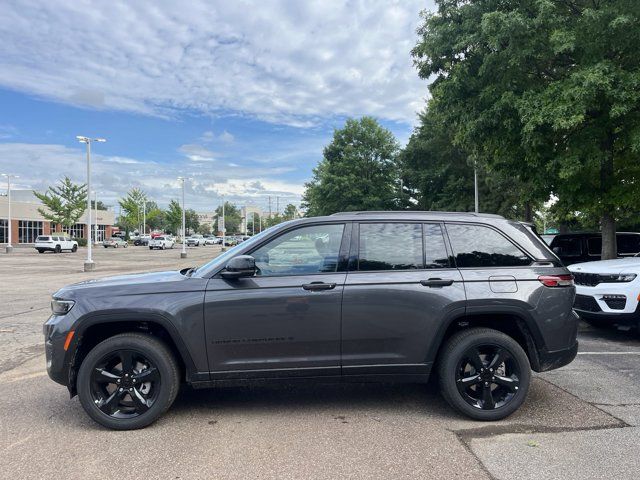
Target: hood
column 137, row 279
column 618, row 265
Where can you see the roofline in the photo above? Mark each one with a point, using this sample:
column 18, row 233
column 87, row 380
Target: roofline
column 418, row 212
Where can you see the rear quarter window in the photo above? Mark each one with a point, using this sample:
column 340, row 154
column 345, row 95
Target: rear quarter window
column 481, row 246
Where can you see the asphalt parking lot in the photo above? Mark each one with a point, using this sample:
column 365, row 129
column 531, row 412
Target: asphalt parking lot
column 581, row 421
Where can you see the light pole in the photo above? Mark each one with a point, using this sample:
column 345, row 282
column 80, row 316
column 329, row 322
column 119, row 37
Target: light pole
column 95, row 225
column 9, row 247
column 224, row 227
column 475, row 185
column 144, row 216
column 88, row 263
column 183, row 254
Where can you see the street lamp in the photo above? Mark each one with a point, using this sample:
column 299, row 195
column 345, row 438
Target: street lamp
column 88, row 263
column 9, row 247
column 183, row 254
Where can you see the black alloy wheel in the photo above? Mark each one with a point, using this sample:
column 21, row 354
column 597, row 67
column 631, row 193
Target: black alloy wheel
column 58, row 249
column 74, row 249
column 484, row 373
column 487, row 376
column 128, row 381
column 125, row 384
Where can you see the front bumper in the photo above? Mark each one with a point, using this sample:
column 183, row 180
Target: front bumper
column 609, row 318
column 58, row 359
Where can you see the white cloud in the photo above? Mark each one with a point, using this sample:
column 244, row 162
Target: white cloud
column 197, row 153
column 113, row 176
column 287, row 62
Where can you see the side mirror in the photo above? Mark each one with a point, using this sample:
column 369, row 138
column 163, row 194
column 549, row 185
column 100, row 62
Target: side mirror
column 240, row 266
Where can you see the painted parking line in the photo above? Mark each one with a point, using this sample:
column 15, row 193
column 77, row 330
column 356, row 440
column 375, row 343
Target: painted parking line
column 608, row 353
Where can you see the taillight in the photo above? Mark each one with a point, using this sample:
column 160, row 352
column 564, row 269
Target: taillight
column 556, row 280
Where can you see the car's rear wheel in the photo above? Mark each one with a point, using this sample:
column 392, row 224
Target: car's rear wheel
column 58, row 249
column 484, row 373
column 74, row 249
column 40, row 250
column 128, row 381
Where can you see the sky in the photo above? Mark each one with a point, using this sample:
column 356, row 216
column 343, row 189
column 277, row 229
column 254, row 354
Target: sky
column 240, row 97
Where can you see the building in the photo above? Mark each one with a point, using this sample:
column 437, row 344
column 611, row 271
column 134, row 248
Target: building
column 207, row 219
column 27, row 223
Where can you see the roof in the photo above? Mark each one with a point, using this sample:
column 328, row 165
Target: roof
column 416, row 213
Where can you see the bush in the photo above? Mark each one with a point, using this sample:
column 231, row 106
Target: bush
column 82, row 242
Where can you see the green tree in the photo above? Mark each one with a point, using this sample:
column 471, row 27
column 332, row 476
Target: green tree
column 131, row 210
column 173, row 217
column 155, row 216
column 101, row 205
column 545, row 92
column 191, row 220
column 64, row 204
column 204, row 229
column 358, row 171
column 290, row 212
column 232, row 218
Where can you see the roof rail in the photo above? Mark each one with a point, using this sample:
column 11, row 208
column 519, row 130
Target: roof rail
column 417, row 212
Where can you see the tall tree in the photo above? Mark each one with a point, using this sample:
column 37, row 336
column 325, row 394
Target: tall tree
column 191, row 220
column 545, row 91
column 173, row 217
column 232, row 218
column 131, row 213
column 290, row 212
column 64, row 204
column 358, row 171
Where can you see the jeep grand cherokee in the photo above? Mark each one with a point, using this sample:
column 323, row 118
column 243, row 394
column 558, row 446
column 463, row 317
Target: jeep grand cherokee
column 391, row 296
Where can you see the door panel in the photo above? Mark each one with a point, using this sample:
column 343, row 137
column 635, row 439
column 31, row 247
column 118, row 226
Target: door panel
column 390, row 318
column 270, row 324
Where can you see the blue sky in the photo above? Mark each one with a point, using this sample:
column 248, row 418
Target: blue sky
column 239, row 96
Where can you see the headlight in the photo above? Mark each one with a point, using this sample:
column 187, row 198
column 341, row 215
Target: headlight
column 61, row 307
column 615, row 278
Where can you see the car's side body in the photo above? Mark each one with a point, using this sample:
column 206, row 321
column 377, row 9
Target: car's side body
column 348, row 322
column 195, row 240
column 55, row 243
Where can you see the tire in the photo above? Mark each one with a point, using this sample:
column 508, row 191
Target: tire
column 115, row 246
column 150, row 248
column 515, row 374
column 58, row 249
column 40, row 250
column 74, row 249
column 163, row 393
column 125, row 245
column 106, row 246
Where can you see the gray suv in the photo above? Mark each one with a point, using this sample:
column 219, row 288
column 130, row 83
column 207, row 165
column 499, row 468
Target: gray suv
column 384, row 296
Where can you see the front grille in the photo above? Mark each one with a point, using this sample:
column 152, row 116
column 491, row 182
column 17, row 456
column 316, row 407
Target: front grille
column 586, row 304
column 586, row 279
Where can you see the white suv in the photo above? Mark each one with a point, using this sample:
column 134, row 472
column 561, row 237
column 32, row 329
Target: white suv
column 607, row 292
column 161, row 243
column 55, row 243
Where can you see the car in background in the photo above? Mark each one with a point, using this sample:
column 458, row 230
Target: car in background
column 586, row 247
column 195, row 241
column 161, row 243
column 55, row 243
column 607, row 292
column 142, row 240
column 114, row 242
column 209, row 240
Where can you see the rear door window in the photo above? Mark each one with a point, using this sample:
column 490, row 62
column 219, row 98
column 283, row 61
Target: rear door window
column 628, row 244
column 480, row 246
column 594, row 246
column 569, row 246
column 390, row 246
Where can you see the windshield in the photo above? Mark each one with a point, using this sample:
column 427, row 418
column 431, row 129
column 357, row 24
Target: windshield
column 221, row 260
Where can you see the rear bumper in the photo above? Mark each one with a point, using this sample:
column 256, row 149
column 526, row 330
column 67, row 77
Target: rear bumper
column 556, row 359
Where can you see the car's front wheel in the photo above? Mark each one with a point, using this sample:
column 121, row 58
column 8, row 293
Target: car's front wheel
column 484, row 373
column 127, row 381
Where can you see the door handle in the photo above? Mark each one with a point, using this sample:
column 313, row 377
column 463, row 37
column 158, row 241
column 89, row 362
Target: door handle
column 436, row 282
column 319, row 286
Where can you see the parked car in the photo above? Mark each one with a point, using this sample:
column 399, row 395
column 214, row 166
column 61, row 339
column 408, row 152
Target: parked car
column 142, row 240
column 114, row 242
column 209, row 240
column 161, row 243
column 55, row 243
column 195, row 240
column 586, row 247
column 335, row 298
column 607, row 292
